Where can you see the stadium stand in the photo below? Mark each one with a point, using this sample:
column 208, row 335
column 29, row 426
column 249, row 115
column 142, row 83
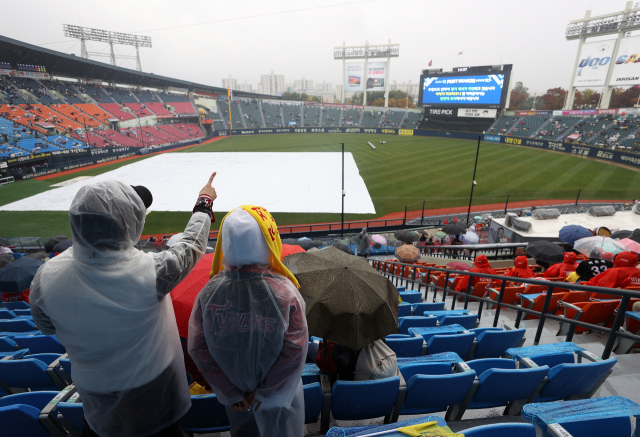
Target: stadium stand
column 122, row 95
column 186, row 108
column 251, row 111
column 172, row 97
column 392, row 118
column 311, row 116
column 139, row 109
column 20, row 116
column 237, row 119
column 331, row 117
column 502, row 124
column 159, row 134
column 65, row 89
column 76, row 115
column 95, row 111
column 119, row 138
column 95, row 92
column 66, row 142
column 34, row 87
column 33, row 145
column 146, row 96
column 159, row 109
column 117, row 112
column 219, row 125
column 271, row 114
column 372, row 118
column 45, row 113
column 350, row 116
column 412, row 121
column 291, row 114
column 190, row 129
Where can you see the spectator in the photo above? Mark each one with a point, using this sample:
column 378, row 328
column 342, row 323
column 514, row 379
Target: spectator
column 625, row 273
column 521, row 269
column 248, row 331
column 105, row 301
column 592, row 267
column 562, row 270
column 482, row 266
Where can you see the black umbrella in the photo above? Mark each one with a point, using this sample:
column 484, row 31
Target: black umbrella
column 546, row 251
column 4, row 242
column 454, row 229
column 341, row 247
column 619, row 235
column 5, row 258
column 423, row 232
column 405, row 236
column 38, row 255
column 635, row 235
column 17, row 276
column 49, row 245
column 62, row 246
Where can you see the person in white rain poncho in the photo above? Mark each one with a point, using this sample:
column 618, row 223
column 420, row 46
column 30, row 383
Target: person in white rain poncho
column 248, row 330
column 106, row 302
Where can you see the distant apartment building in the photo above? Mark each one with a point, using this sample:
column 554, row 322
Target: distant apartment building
column 271, row 84
column 324, row 87
column 412, row 89
column 230, row 83
column 246, row 87
column 302, row 84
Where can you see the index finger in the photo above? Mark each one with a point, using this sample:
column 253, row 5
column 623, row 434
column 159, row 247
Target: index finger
column 211, row 178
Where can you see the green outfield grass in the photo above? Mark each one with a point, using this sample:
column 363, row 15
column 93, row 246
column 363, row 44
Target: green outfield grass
column 402, row 173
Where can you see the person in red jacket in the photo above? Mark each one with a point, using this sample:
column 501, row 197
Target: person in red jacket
column 482, row 266
column 624, row 273
column 562, row 269
column 522, row 269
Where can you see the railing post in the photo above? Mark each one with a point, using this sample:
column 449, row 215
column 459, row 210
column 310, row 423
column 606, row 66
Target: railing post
column 617, row 322
column 495, row 318
column 422, row 216
column 404, row 222
column 578, row 198
column 466, row 296
column 545, row 308
column 445, row 288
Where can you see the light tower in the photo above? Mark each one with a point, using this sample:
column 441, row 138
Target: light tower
column 88, row 34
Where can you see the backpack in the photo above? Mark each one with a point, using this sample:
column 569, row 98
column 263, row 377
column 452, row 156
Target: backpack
column 376, row 361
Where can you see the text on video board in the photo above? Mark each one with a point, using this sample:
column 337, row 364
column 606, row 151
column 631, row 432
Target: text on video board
column 480, row 90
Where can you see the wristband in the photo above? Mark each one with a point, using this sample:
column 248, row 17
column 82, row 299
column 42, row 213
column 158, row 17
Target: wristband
column 204, row 204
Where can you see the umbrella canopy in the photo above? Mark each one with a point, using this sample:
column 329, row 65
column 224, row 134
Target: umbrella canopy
column 62, row 246
column 49, row 245
column 379, row 239
column 546, row 251
column 290, row 249
column 586, row 245
column 635, row 235
column 5, row 258
column 454, row 229
column 423, row 232
column 304, row 239
column 405, row 236
column 4, row 242
column 440, row 234
column 183, row 296
column 17, row 276
column 407, row 253
column 621, row 234
column 347, row 301
column 631, row 245
column 288, row 241
column 313, row 249
column 38, row 255
column 457, row 265
column 341, row 247
column 572, row 233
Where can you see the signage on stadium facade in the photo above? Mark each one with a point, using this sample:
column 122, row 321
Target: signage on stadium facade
column 4, row 72
column 477, row 113
column 579, row 112
column 595, row 60
column 626, row 70
column 34, row 74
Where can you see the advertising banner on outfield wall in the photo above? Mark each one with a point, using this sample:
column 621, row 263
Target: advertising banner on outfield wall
column 376, row 73
column 34, row 74
column 626, row 70
column 477, row 113
column 4, row 72
column 354, row 76
column 595, row 58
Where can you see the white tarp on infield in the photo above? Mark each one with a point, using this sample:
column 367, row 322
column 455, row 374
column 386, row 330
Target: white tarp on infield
column 280, row 182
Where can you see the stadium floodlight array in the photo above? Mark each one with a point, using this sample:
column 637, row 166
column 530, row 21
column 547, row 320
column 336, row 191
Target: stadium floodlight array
column 89, row 34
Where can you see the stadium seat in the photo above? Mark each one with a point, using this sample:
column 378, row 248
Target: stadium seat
column 20, row 325
column 6, row 314
column 21, row 421
column 595, row 313
column 7, row 345
column 554, row 359
column 493, row 343
column 510, row 296
column 502, row 430
column 36, row 399
column 16, row 305
column 405, row 347
column 206, row 415
column 535, row 302
column 411, row 296
column 497, row 386
column 26, row 373
column 312, row 402
column 404, row 310
column 404, row 323
column 420, row 308
column 26, row 312
column 357, row 400
column 469, row 321
column 39, row 344
column 458, row 343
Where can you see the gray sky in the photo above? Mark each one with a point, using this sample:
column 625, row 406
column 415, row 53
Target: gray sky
column 240, row 39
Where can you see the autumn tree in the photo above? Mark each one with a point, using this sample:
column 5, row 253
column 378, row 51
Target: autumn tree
column 621, row 98
column 587, row 99
column 553, row 99
column 519, row 94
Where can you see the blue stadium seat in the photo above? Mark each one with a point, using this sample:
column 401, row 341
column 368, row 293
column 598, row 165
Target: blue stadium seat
column 575, row 381
column 499, row 386
column 26, row 373
column 458, row 343
column 357, row 400
column 469, row 321
column 554, row 360
column 71, row 415
column 26, row 312
column 405, row 347
column 502, row 430
column 7, row 345
column 36, row 399
column 21, row 421
column 312, row 402
column 411, row 296
column 432, row 387
column 420, row 308
column 615, row 426
column 16, row 305
column 404, row 310
column 19, row 325
column 404, row 323
column 6, row 314
column 494, row 343
column 39, row 344
column 206, row 415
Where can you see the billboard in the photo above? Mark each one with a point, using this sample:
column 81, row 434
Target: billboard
column 626, row 70
column 475, row 112
column 376, row 73
column 354, row 76
column 595, row 59
column 463, row 90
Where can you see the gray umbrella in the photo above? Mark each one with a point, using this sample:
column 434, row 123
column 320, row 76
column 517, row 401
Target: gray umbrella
column 405, row 236
column 347, row 300
column 5, row 258
column 38, row 255
column 49, row 245
column 341, row 247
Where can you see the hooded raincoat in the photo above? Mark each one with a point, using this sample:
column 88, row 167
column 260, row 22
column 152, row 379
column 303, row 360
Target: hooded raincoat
column 521, row 269
column 482, row 266
column 562, row 269
column 105, row 301
column 623, row 274
column 248, row 329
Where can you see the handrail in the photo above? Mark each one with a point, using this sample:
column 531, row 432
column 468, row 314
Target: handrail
column 613, row 332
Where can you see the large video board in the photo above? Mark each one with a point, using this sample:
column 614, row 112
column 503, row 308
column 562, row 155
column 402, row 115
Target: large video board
column 466, row 87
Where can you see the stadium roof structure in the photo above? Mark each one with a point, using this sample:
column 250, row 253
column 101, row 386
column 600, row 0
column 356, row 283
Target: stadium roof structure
column 66, row 65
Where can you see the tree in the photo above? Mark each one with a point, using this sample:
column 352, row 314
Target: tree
column 519, row 95
column 587, row 99
column 553, row 99
column 355, row 99
column 295, row 96
column 315, row 99
column 621, row 98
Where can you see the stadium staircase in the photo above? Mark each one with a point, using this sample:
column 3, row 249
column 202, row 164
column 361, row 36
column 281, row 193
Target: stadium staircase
column 320, row 120
column 301, row 115
column 404, row 118
column 262, row 114
column 282, row 117
column 360, row 119
column 515, row 125
column 608, row 131
column 627, row 141
column 341, row 115
column 541, row 127
column 244, row 121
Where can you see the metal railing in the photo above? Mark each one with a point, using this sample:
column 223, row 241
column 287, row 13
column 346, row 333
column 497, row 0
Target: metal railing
column 613, row 332
column 470, row 251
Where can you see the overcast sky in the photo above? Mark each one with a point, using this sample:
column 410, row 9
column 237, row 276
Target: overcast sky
column 204, row 41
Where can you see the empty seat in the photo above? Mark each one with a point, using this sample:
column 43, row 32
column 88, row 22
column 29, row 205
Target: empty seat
column 493, row 343
column 458, row 343
column 596, row 313
column 535, row 302
column 5, row 314
column 7, row 345
column 36, row 399
column 26, row 373
column 404, row 323
column 16, row 305
column 357, row 400
column 19, row 325
column 411, row 296
column 420, row 308
column 39, row 344
column 21, row 421
column 511, row 294
column 405, row 347
column 312, row 402
column 71, row 415
column 502, row 430
column 404, row 310
column 468, row 321
column 576, row 380
column 206, row 415
column 26, row 312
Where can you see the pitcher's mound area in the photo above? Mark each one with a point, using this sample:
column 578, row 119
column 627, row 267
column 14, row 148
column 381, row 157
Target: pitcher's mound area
column 280, row 182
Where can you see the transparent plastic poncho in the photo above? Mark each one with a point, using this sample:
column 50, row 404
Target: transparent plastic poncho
column 105, row 301
column 248, row 332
